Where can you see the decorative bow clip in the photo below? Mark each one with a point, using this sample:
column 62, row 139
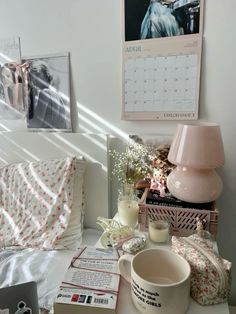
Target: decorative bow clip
column 116, row 232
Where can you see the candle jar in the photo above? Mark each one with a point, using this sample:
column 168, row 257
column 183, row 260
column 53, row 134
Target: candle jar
column 128, row 206
column 158, row 230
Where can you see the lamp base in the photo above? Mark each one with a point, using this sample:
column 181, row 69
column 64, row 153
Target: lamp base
column 195, row 186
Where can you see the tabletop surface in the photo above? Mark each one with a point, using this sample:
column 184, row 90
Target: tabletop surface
column 125, row 304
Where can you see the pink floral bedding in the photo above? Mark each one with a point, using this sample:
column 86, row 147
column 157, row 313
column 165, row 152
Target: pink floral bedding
column 35, row 202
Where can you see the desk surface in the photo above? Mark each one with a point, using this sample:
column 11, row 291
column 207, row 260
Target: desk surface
column 125, row 304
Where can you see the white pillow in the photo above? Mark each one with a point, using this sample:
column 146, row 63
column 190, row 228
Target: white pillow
column 72, row 237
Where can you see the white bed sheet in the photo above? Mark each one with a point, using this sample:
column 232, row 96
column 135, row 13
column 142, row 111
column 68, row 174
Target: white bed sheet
column 47, row 268
column 91, row 236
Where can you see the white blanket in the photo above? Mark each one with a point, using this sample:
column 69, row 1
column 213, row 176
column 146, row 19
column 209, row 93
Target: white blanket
column 47, row 268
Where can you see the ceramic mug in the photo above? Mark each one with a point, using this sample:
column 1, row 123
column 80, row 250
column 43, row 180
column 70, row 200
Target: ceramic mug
column 160, row 281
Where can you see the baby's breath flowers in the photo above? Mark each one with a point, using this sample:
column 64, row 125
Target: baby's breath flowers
column 133, row 164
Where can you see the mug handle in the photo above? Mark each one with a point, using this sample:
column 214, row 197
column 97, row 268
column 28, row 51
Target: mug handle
column 124, row 266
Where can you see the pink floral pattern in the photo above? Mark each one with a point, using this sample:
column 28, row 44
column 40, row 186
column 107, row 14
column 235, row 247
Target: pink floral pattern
column 207, row 285
column 36, row 202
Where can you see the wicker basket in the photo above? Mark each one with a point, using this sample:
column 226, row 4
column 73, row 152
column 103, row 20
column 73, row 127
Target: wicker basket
column 182, row 220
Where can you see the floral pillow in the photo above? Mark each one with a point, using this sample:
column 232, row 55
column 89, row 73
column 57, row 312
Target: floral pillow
column 72, row 237
column 36, row 202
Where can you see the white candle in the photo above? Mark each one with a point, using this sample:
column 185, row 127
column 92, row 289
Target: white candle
column 128, row 212
column 158, row 231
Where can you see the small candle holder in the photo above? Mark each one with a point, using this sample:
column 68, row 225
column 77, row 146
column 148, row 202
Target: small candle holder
column 158, row 230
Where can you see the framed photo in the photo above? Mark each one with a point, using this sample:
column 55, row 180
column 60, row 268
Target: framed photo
column 48, row 92
column 162, row 44
column 11, row 80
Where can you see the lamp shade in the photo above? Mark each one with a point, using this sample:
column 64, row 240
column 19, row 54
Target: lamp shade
column 197, row 149
column 197, row 146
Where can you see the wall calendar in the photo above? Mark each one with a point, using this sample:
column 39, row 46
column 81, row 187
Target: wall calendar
column 161, row 59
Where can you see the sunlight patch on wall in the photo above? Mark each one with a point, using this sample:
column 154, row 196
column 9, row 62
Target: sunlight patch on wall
column 4, row 127
column 5, row 57
column 91, row 125
column 98, row 119
column 97, row 143
column 82, row 152
column 21, row 149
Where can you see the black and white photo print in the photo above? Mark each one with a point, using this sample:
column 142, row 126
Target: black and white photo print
column 48, row 92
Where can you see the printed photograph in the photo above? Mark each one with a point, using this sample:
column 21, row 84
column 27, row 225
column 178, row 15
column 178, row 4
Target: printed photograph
column 48, row 98
column 147, row 19
column 11, row 91
column 11, row 80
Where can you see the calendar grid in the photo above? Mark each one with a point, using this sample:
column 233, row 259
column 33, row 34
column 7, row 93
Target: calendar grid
column 156, row 82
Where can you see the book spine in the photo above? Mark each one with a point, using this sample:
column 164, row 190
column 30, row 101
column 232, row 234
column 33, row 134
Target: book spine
column 180, row 204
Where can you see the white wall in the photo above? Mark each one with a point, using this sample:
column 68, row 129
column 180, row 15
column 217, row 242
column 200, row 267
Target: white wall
column 91, row 32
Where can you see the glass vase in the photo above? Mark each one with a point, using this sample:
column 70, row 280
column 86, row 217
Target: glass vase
column 128, row 206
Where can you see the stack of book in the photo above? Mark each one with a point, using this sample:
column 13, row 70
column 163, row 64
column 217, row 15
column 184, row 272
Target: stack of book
column 153, row 197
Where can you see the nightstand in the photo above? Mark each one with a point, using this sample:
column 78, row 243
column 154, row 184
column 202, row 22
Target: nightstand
column 125, row 304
